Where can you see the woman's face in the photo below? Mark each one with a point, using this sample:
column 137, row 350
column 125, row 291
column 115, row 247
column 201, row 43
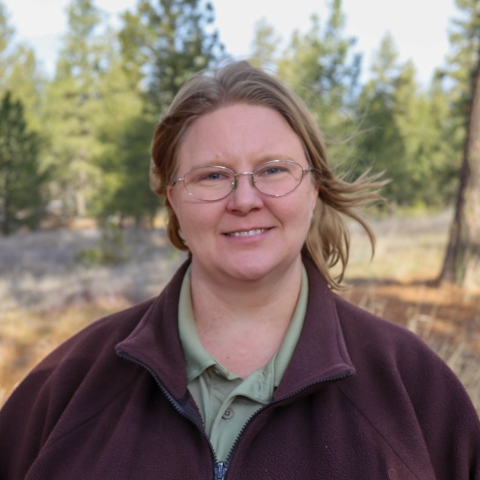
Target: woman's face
column 241, row 137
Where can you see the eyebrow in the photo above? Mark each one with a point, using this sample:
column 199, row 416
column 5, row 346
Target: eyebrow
column 265, row 158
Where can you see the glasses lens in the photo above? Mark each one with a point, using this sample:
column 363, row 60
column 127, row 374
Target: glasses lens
column 278, row 177
column 209, row 183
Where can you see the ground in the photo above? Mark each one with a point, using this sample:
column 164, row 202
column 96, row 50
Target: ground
column 53, row 283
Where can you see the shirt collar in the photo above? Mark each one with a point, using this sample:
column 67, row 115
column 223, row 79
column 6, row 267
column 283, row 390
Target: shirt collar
column 198, row 359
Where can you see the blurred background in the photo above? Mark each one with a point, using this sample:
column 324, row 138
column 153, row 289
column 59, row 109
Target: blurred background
column 393, row 86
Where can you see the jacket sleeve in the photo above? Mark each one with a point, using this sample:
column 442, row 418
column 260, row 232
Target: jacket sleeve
column 29, row 415
column 79, row 369
column 445, row 413
column 411, row 396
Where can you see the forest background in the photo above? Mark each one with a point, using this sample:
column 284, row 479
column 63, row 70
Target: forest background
column 74, row 152
column 81, row 138
column 84, row 134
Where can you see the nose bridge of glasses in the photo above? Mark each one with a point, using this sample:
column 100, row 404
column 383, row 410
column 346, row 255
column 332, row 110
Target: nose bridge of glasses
column 236, row 175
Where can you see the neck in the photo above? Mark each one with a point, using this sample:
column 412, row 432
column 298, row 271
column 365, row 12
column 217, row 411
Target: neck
column 243, row 323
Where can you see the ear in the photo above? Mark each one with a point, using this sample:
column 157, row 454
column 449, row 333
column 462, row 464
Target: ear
column 171, row 198
column 315, row 195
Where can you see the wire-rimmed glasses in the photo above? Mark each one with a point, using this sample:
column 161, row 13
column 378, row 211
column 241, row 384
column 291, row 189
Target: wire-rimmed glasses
column 275, row 178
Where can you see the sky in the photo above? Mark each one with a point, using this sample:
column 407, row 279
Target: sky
column 419, row 27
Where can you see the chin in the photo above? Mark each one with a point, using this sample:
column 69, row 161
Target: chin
column 254, row 269
column 253, row 273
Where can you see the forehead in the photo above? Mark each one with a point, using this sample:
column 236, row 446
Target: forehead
column 239, row 136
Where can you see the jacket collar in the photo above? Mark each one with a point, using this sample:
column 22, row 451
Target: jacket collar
column 320, row 354
column 155, row 342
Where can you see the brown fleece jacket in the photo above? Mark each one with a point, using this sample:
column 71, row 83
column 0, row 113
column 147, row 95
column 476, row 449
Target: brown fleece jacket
column 361, row 399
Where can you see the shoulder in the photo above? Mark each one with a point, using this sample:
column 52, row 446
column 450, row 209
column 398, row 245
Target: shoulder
column 96, row 342
column 79, row 354
column 364, row 330
column 81, row 379
column 84, row 367
column 90, row 355
column 390, row 350
column 401, row 382
column 392, row 347
column 384, row 353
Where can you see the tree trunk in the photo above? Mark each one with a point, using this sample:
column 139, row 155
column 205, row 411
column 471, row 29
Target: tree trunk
column 462, row 259
column 7, row 226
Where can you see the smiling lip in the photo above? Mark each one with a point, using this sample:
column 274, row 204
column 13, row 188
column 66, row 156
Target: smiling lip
column 247, row 233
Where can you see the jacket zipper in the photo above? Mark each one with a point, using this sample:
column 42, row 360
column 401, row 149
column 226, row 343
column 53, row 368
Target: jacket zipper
column 220, row 468
column 296, row 392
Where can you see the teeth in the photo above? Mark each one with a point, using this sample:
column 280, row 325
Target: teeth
column 247, row 234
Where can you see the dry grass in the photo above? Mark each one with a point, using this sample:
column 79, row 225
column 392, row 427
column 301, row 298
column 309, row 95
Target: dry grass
column 46, row 296
column 27, row 336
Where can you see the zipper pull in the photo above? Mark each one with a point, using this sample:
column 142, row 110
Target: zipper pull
column 220, row 470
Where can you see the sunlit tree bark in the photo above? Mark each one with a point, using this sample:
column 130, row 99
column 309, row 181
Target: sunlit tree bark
column 462, row 259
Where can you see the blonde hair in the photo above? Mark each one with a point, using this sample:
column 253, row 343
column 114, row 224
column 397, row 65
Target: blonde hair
column 328, row 239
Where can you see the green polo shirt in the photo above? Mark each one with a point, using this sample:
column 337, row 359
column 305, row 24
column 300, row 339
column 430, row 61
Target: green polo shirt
column 225, row 400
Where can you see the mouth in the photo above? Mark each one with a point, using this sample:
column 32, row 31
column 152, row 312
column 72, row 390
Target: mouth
column 247, row 233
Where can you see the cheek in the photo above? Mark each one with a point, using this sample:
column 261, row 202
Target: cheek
column 197, row 220
column 298, row 214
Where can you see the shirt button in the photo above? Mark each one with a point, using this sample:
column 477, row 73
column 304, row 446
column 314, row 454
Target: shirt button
column 227, row 414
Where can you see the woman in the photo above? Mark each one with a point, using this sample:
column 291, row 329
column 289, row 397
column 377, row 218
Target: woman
column 246, row 366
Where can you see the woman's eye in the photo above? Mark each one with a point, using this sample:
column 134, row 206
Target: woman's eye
column 271, row 171
column 214, row 176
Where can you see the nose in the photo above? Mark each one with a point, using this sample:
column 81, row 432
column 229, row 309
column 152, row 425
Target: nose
column 245, row 196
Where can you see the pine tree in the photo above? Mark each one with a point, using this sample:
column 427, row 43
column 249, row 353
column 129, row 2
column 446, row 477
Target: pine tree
column 323, row 70
column 462, row 259
column 264, row 46
column 87, row 104
column 6, row 34
column 380, row 146
column 404, row 132
column 167, row 41
column 71, row 106
column 125, row 192
column 19, row 72
column 22, row 196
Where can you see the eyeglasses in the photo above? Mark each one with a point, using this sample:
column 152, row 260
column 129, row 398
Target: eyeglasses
column 275, row 178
